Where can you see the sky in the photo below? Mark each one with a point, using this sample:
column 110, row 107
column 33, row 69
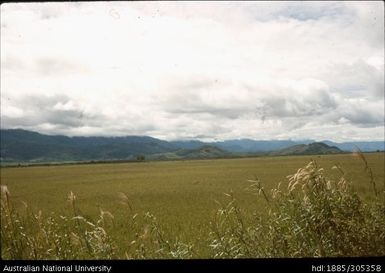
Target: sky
column 195, row 70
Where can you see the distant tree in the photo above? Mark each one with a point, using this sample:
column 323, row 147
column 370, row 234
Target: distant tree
column 140, row 158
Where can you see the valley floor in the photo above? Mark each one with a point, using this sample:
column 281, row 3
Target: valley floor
column 184, row 196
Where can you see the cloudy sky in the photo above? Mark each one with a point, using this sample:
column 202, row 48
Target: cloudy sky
column 203, row 70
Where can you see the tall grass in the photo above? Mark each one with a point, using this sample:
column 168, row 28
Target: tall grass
column 28, row 235
column 309, row 215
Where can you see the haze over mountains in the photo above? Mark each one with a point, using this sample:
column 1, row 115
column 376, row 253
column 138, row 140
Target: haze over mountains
column 19, row 145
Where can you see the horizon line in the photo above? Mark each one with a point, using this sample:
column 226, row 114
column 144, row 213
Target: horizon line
column 192, row 138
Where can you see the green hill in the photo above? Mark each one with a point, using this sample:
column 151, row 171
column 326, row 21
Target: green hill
column 205, row 151
column 316, row 148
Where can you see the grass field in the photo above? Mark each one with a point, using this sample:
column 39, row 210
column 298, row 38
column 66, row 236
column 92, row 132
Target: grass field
column 181, row 194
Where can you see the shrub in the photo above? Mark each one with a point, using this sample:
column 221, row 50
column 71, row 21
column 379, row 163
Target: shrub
column 312, row 216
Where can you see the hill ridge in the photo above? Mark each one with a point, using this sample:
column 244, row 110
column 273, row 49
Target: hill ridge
column 19, row 145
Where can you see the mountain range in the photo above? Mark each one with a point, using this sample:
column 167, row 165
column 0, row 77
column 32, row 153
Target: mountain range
column 19, row 145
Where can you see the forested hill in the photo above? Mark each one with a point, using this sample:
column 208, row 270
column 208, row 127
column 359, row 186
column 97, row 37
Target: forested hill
column 19, row 145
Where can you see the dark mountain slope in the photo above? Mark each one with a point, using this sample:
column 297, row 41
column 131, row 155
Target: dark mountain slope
column 22, row 145
column 206, row 151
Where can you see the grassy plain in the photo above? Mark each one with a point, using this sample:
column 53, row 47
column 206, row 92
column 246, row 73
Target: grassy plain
column 181, row 194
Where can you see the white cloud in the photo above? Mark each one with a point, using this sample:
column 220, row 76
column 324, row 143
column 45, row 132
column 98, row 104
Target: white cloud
column 220, row 70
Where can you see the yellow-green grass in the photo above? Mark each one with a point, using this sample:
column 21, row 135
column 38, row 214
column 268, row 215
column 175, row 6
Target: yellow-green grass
column 181, row 194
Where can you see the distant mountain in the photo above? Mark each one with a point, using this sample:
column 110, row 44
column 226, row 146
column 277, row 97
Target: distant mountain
column 316, row 148
column 253, row 146
column 21, row 145
column 205, row 151
column 25, row 146
column 188, row 144
column 260, row 146
column 241, row 145
column 367, row 146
